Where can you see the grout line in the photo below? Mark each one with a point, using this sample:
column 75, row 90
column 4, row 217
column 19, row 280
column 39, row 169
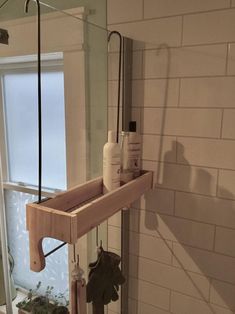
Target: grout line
column 156, row 46
column 227, row 59
column 182, row 31
column 174, row 209
column 171, row 16
column 142, row 65
column 180, row 107
column 177, row 149
column 210, row 286
column 188, row 136
column 214, row 242
column 222, row 123
column 217, row 183
column 172, row 253
column 179, row 93
column 170, row 298
column 143, row 9
column 179, row 77
column 188, row 165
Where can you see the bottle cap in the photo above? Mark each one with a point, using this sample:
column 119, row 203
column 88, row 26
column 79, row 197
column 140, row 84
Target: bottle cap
column 112, row 136
column 132, row 126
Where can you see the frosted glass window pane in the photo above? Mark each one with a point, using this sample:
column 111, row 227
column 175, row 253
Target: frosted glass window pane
column 56, row 272
column 20, row 98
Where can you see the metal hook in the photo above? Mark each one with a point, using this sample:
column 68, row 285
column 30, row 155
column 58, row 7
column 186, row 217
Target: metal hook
column 26, row 8
column 119, row 74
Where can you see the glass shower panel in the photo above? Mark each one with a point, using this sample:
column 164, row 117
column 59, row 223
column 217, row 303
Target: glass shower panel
column 74, row 123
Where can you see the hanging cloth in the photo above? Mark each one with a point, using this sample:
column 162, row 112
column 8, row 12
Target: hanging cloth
column 104, row 280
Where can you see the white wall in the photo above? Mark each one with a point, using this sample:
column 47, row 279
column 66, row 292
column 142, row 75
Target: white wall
column 182, row 233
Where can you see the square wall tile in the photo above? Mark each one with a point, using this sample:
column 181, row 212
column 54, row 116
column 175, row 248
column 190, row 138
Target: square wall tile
column 208, row 28
column 144, row 308
column 184, row 304
column 226, row 184
column 155, row 93
column 228, row 130
column 114, row 237
column 185, row 122
column 158, row 8
column 224, row 241
column 156, row 148
column 206, row 209
column 152, row 33
column 124, row 11
column 157, row 200
column 231, row 59
column 222, row 293
column 150, row 247
column 210, row 92
column 183, row 178
column 186, row 61
column 206, row 152
column 149, row 293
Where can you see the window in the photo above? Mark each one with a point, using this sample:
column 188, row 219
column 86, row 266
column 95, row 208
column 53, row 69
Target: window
column 19, row 103
column 21, row 127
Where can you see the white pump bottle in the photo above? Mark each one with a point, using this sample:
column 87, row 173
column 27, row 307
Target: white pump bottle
column 111, row 163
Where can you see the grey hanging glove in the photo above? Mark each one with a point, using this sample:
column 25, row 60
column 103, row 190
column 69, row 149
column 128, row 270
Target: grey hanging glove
column 104, row 278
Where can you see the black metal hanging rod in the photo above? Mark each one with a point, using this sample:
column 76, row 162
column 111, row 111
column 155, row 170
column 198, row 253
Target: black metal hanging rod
column 119, row 75
column 55, row 249
column 39, row 99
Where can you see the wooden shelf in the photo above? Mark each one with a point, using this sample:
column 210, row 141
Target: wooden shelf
column 75, row 212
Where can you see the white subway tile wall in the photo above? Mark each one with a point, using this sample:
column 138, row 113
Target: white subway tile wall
column 182, row 233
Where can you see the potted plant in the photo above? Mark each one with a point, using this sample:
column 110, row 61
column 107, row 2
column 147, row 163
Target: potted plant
column 48, row 303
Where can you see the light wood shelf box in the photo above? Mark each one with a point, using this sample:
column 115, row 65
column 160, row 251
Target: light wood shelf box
column 75, row 212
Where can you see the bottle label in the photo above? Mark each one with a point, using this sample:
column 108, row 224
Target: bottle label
column 111, row 171
column 134, row 151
